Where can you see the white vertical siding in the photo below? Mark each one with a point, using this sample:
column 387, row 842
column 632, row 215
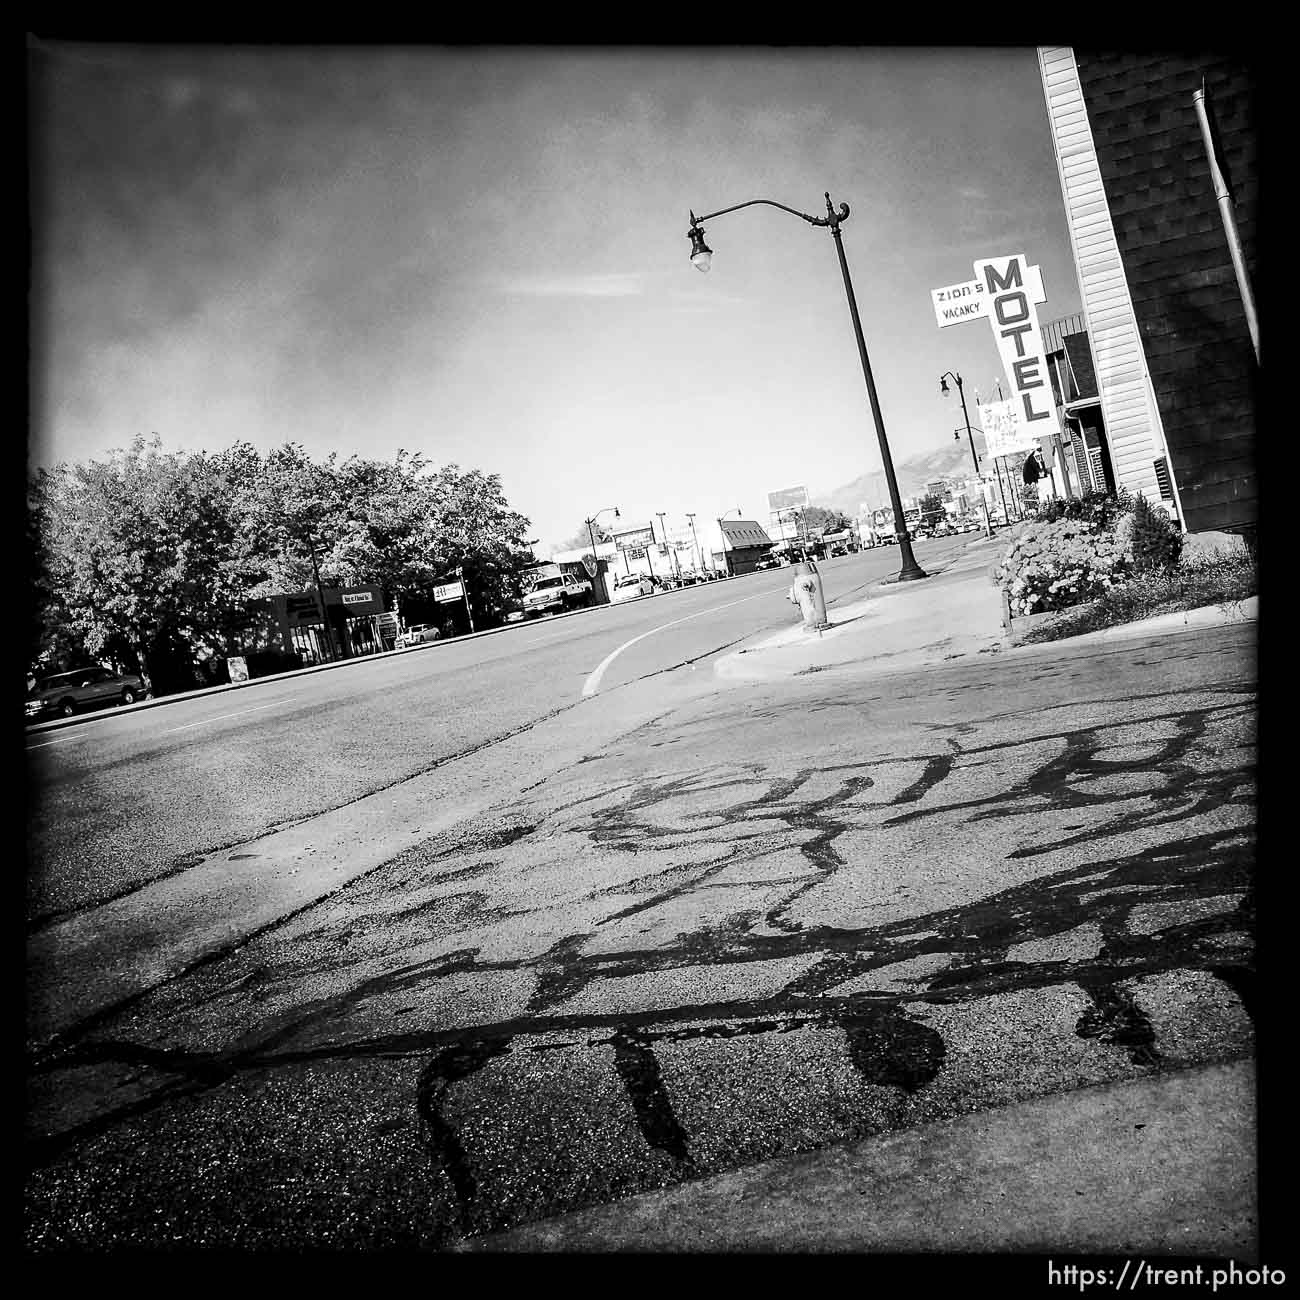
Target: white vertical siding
column 1128, row 403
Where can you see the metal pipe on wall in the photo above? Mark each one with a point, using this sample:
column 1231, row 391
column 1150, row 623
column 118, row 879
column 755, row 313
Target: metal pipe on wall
column 1229, row 219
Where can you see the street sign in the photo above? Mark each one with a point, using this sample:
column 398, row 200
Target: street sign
column 590, row 564
column 449, row 591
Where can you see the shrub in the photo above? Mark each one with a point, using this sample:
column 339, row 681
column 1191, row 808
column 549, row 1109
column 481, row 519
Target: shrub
column 1150, row 537
column 1097, row 507
column 1056, row 564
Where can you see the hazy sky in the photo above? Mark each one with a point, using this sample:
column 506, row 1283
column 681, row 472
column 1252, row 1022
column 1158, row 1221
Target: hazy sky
column 481, row 254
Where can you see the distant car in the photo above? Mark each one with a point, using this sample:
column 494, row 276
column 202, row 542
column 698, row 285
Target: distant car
column 770, row 563
column 63, row 694
column 419, row 634
column 629, row 587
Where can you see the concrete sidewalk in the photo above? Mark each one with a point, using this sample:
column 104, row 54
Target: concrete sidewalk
column 1163, row 1165
column 955, row 612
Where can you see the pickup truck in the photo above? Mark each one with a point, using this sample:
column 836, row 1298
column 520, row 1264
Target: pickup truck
column 553, row 591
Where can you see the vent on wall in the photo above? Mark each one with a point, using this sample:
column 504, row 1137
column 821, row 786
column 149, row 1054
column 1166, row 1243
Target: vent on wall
column 1163, row 480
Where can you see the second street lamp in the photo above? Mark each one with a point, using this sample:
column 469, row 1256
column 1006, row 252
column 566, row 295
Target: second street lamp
column 943, row 388
column 702, row 257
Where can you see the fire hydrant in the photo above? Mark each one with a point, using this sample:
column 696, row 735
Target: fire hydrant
column 807, row 594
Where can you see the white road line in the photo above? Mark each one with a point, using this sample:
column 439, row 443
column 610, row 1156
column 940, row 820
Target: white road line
column 222, row 716
column 57, row 741
column 592, row 684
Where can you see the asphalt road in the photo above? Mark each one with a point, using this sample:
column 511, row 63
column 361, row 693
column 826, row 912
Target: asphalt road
column 125, row 797
column 729, row 926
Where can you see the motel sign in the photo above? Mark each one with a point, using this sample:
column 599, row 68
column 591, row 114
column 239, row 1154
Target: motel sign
column 1004, row 292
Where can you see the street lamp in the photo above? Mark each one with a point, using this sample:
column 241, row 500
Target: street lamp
column 943, row 388
column 591, row 532
column 701, row 258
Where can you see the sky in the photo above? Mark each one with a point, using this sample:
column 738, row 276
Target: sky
column 481, row 254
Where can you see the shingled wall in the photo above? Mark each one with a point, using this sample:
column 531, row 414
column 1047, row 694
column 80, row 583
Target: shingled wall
column 1174, row 248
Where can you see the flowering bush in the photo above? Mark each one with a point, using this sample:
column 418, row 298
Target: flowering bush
column 1055, row 564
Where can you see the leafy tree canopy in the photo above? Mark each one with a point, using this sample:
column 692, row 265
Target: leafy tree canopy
column 146, row 550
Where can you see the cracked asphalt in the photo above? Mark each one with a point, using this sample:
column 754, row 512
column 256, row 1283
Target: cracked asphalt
column 769, row 920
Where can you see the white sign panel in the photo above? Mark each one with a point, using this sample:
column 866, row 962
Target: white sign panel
column 1004, row 432
column 358, row 597
column 1009, row 284
column 794, row 498
column 956, row 303
column 451, row 591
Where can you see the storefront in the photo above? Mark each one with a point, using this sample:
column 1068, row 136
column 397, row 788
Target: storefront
column 355, row 623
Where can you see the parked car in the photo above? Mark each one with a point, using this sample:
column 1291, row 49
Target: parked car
column 419, row 634
column 63, row 694
column 629, row 587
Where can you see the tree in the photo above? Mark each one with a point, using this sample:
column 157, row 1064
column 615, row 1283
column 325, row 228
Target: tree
column 158, row 559
column 932, row 511
column 131, row 559
column 821, row 519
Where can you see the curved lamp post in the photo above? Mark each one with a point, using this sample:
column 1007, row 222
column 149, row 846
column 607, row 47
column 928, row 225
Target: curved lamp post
column 943, row 388
column 591, row 532
column 735, row 510
column 702, row 256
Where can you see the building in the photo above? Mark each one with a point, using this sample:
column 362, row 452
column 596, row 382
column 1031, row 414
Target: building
column 1083, row 456
column 744, row 544
column 1170, row 327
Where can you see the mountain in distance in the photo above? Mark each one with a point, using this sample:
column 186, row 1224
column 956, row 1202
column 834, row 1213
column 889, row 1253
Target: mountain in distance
column 949, row 461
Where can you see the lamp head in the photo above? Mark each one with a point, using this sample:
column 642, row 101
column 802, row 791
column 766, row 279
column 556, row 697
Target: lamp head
column 615, row 512
column 943, row 385
column 701, row 253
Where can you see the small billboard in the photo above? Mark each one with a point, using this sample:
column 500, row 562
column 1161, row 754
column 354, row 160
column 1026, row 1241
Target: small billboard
column 787, row 499
column 635, row 538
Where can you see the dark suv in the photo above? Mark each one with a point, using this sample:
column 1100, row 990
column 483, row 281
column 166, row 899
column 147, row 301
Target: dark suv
column 64, row 694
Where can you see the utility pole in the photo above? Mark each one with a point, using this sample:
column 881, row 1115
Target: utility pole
column 464, row 591
column 677, row 568
column 320, row 597
column 699, row 555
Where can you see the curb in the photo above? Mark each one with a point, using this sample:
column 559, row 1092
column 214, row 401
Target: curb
column 1161, row 1164
column 1246, row 611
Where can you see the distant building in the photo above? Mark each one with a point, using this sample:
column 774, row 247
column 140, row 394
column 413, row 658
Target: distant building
column 744, row 544
column 1175, row 366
